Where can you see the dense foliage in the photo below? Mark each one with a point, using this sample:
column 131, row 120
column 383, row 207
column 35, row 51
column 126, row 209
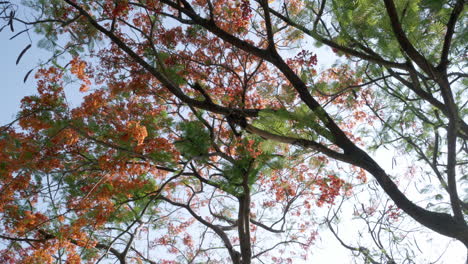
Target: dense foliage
column 208, row 133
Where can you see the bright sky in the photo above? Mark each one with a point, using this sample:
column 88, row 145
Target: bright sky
column 327, row 250
column 11, row 75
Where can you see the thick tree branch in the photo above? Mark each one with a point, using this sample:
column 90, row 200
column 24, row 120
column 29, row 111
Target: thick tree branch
column 332, row 44
column 403, row 40
column 235, row 256
column 268, row 24
column 457, row 10
column 298, row 142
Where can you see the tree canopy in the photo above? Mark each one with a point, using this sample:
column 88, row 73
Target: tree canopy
column 207, row 132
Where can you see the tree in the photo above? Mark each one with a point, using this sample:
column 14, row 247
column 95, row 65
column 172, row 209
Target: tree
column 207, row 126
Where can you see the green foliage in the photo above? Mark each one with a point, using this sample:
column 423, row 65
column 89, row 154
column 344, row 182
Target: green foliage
column 301, row 122
column 366, row 20
column 195, row 140
column 85, row 33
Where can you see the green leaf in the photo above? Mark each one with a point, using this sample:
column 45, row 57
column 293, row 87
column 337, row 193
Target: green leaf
column 195, row 139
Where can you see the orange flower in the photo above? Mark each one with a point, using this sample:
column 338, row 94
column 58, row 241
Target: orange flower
column 137, row 131
column 78, row 69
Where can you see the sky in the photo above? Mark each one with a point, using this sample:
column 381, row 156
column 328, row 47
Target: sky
column 327, row 249
column 12, row 75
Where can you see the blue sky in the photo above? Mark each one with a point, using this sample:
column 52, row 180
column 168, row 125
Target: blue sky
column 11, row 75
